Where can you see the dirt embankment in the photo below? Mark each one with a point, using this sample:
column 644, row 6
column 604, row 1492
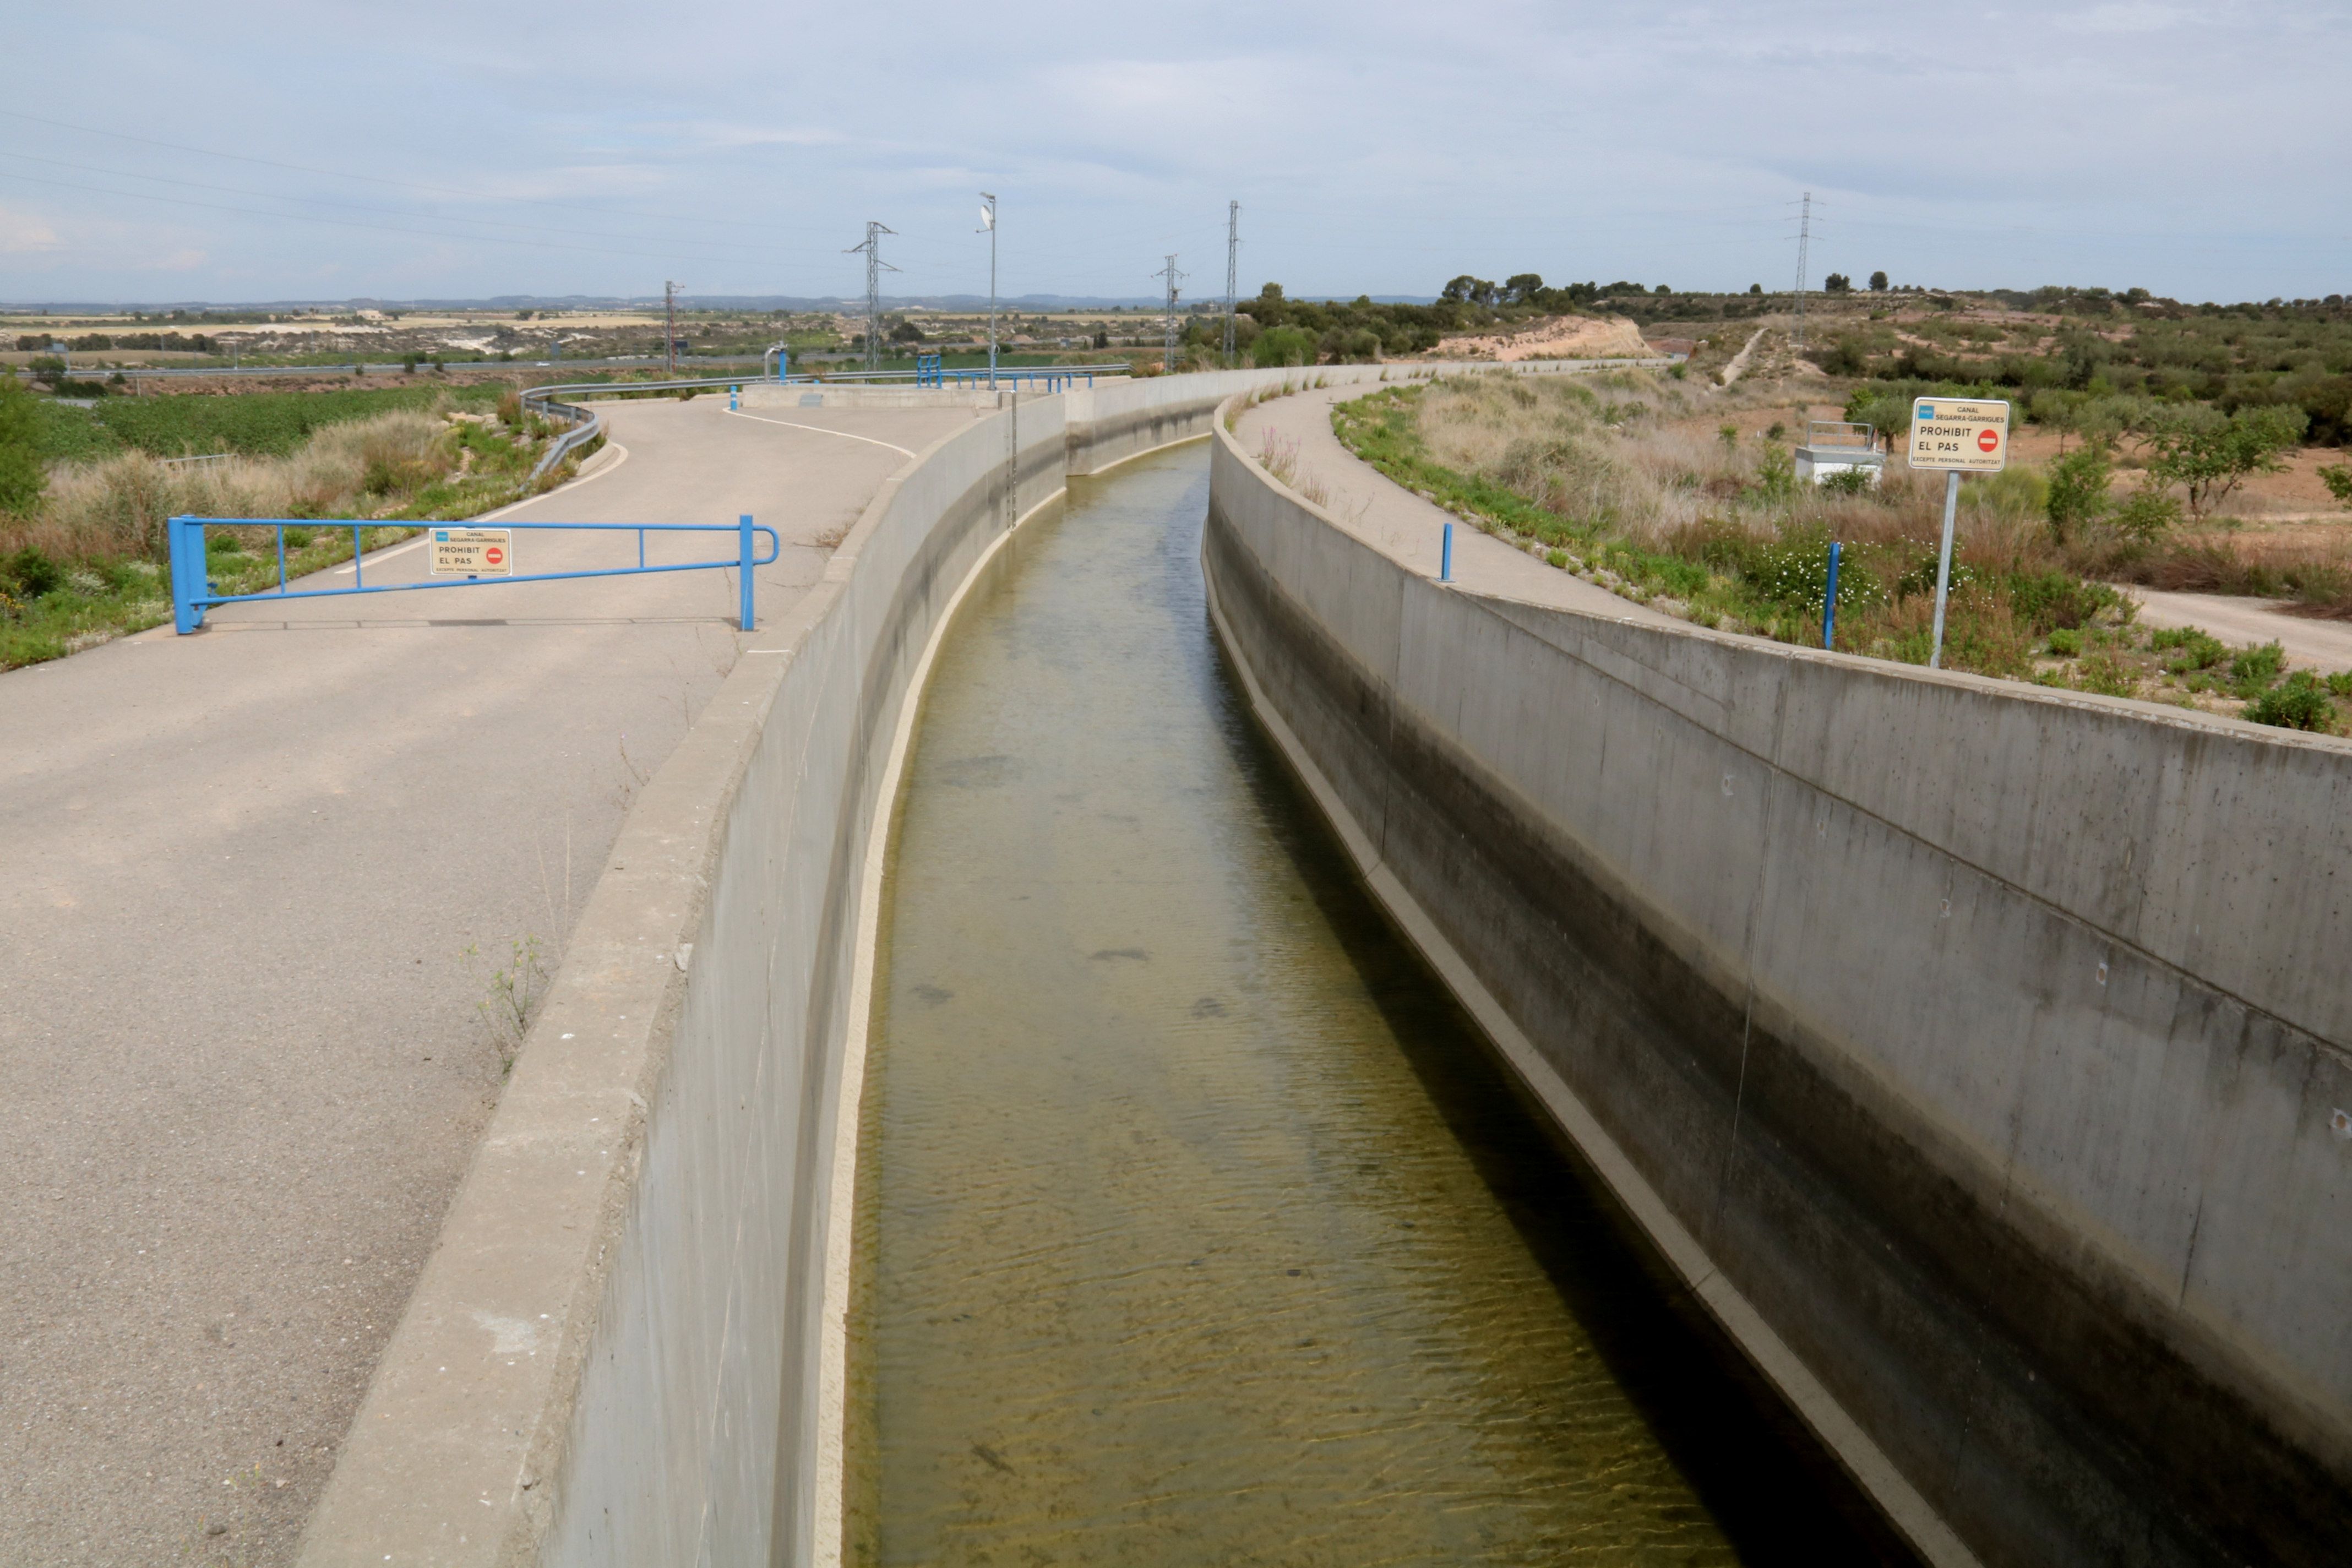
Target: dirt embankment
column 1553, row 337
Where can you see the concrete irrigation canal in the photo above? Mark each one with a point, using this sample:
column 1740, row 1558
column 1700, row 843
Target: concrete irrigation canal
column 1195, row 1222
column 1139, row 1024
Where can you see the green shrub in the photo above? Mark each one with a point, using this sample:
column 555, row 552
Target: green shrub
column 2257, row 668
column 2146, row 515
column 2196, row 650
column 22, row 477
column 2078, row 491
column 2066, row 643
column 2104, row 674
column 1776, row 477
column 31, row 573
column 2047, row 601
column 1282, row 346
column 2297, row 704
column 2340, row 683
column 1847, row 483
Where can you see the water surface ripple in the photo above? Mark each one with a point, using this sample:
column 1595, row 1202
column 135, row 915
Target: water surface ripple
column 1196, row 1224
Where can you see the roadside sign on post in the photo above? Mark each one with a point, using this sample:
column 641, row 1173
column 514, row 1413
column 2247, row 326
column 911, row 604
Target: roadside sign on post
column 473, row 553
column 1959, row 435
column 1965, row 434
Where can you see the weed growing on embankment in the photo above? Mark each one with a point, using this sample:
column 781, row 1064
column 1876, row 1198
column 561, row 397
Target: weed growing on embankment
column 1596, row 477
column 85, row 561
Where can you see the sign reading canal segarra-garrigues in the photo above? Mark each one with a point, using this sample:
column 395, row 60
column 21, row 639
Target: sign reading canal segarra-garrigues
column 1966, row 435
column 473, row 553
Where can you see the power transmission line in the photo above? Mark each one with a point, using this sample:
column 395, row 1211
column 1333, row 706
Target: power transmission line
column 1168, row 337
column 1233, row 259
column 875, row 267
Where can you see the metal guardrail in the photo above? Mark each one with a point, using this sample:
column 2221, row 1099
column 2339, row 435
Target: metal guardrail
column 191, row 587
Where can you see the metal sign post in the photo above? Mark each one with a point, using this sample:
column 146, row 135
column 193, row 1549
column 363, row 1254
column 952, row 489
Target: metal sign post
column 1959, row 435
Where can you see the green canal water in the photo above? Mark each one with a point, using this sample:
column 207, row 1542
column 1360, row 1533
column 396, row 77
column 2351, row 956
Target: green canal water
column 1196, row 1224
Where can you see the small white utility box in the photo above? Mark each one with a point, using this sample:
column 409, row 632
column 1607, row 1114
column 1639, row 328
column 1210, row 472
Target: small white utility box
column 1836, row 446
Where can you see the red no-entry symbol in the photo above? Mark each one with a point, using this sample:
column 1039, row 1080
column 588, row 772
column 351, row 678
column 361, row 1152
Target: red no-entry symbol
column 1986, row 441
column 494, row 554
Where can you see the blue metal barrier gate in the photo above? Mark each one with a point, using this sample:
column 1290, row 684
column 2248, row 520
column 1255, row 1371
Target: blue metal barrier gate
column 193, row 594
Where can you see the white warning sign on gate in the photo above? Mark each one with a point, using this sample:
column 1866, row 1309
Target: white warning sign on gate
column 473, row 553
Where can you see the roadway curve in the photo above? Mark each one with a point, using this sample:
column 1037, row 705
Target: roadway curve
column 242, row 1067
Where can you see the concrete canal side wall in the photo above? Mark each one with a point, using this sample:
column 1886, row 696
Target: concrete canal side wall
column 1977, row 1053
column 612, row 1354
column 616, row 1353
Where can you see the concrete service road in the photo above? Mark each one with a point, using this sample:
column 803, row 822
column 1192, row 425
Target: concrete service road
column 257, row 884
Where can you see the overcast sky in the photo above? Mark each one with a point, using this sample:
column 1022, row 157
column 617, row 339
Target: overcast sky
column 324, row 151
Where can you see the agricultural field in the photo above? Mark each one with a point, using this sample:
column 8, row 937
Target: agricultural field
column 81, row 514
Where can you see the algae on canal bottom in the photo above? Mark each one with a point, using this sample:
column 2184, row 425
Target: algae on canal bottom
column 1195, row 1222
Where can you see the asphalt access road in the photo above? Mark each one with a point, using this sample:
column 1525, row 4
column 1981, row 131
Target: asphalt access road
column 253, row 886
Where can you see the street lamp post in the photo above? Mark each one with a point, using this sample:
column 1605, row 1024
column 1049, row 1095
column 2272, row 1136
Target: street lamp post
column 987, row 227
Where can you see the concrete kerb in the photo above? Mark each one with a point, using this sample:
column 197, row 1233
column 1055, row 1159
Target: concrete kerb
column 2244, row 815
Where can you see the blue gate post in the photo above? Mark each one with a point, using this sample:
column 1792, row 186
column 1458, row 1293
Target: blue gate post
column 1445, row 556
column 1829, row 602
column 743, row 571
column 183, row 539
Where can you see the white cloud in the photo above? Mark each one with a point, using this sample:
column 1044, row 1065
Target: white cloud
column 25, row 234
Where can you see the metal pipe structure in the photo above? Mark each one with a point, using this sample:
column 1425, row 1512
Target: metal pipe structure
column 988, row 224
column 1944, row 567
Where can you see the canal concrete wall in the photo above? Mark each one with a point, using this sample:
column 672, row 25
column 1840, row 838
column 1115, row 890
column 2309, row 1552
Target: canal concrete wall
column 1977, row 1053
column 619, row 1352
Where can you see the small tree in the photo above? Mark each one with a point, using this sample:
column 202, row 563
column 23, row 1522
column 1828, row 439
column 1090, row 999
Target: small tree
column 2211, row 457
column 22, row 477
column 2078, row 490
column 1522, row 287
column 1836, row 283
column 1878, row 282
column 2337, row 478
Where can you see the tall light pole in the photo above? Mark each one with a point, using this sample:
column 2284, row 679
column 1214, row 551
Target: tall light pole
column 669, row 330
column 987, row 227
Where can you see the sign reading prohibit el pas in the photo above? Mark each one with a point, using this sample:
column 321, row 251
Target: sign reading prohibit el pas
column 473, row 553
column 1970, row 434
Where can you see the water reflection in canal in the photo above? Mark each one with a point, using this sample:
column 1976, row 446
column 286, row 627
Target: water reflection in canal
column 1196, row 1224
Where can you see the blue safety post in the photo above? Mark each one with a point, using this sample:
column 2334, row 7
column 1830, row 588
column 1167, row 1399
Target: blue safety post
column 184, row 540
column 745, row 569
column 1445, row 556
column 1829, row 602
column 734, row 400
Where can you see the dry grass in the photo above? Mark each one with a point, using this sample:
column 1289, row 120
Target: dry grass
column 115, row 509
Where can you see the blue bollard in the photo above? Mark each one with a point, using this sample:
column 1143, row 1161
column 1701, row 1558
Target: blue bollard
column 184, row 538
column 743, row 570
column 734, row 400
column 1445, row 556
column 1829, row 602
